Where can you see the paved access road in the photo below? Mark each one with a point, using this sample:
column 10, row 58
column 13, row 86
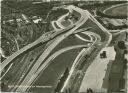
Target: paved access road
column 44, row 55
column 59, row 54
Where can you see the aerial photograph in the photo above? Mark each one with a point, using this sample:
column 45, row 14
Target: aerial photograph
column 64, row 46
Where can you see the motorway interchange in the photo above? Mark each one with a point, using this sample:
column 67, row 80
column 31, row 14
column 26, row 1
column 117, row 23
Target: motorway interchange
column 40, row 65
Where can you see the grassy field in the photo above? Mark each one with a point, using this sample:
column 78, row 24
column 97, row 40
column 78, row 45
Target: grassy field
column 53, row 73
column 118, row 11
column 84, row 36
column 67, row 42
column 66, row 23
column 95, row 29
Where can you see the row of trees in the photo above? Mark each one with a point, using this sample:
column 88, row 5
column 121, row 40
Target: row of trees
column 27, row 33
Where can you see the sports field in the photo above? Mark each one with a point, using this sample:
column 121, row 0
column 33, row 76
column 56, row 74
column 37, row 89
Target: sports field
column 121, row 10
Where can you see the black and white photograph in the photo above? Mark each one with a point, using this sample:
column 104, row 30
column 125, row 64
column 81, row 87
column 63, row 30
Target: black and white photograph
column 64, row 46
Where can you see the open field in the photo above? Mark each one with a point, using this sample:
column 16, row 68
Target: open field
column 121, row 10
column 53, row 73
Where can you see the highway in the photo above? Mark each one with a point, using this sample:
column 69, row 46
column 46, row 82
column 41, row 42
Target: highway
column 53, row 57
column 44, row 38
column 83, row 52
column 103, row 30
column 44, row 67
column 24, row 62
column 95, row 75
column 18, row 53
column 48, row 58
column 48, row 61
column 46, row 53
column 60, row 20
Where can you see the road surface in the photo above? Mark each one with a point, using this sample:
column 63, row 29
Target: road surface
column 60, row 53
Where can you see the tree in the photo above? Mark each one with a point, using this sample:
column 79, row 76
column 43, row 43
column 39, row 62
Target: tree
column 121, row 45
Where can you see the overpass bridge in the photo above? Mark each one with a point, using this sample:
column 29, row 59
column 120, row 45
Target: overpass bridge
column 43, row 39
column 59, row 35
